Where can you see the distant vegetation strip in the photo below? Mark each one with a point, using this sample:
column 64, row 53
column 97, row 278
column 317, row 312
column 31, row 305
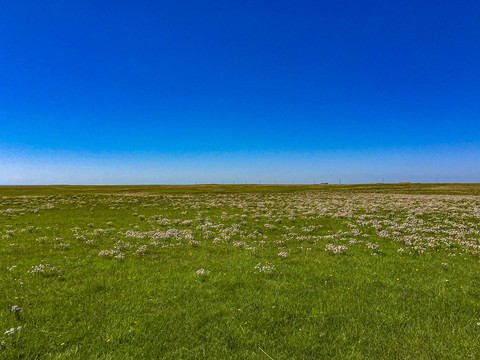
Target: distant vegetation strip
column 405, row 188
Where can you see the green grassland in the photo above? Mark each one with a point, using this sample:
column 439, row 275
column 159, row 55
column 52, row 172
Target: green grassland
column 240, row 272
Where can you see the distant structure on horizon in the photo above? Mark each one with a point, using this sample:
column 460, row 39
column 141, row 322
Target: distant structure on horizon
column 404, row 182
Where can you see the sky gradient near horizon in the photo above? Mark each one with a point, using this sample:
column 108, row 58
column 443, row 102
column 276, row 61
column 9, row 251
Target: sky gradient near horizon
column 239, row 91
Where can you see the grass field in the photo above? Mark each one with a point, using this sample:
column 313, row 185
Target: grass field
column 240, row 272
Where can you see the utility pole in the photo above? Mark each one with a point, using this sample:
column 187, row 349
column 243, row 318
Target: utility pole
column 339, row 181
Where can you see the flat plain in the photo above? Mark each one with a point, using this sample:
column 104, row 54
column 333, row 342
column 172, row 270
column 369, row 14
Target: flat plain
column 240, row 272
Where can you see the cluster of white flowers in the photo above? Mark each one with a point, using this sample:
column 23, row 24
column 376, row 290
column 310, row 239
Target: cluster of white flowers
column 12, row 330
column 141, row 249
column 107, row 252
column 239, row 243
column 117, row 254
column 266, row 268
column 340, row 249
column 375, row 248
column 42, row 269
column 202, row 271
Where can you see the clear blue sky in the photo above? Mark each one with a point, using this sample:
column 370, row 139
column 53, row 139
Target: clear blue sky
column 224, row 91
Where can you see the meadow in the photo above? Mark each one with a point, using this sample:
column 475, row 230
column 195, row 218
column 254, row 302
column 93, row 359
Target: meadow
column 240, row 272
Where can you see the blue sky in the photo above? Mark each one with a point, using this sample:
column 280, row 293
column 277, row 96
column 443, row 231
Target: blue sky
column 235, row 91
